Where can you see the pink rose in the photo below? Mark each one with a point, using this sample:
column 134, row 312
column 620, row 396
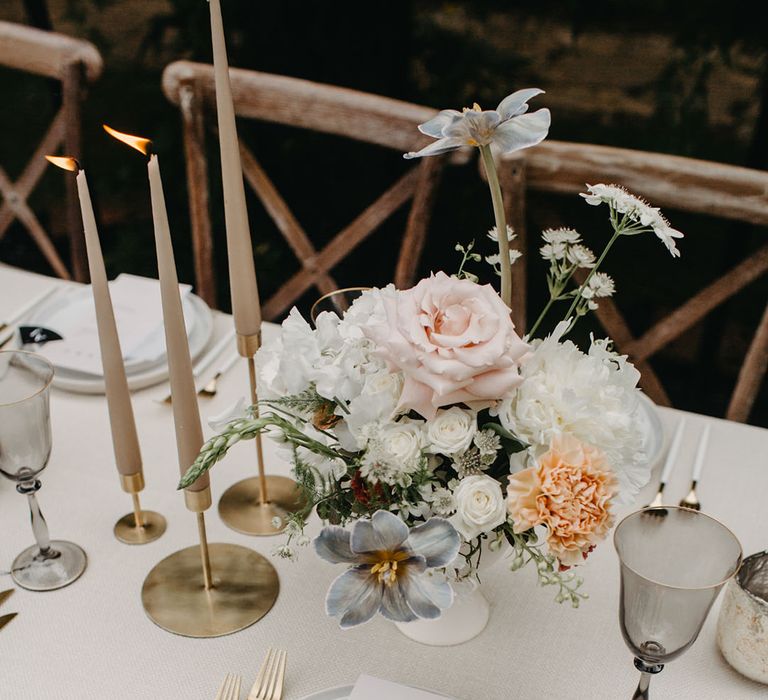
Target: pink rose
column 454, row 342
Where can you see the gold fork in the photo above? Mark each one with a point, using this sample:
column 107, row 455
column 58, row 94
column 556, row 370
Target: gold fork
column 269, row 682
column 210, row 389
column 692, row 500
column 654, row 507
column 230, row 688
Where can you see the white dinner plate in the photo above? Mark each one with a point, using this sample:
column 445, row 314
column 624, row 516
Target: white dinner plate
column 144, row 374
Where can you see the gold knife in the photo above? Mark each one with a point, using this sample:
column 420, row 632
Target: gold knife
column 5, row 619
column 4, row 595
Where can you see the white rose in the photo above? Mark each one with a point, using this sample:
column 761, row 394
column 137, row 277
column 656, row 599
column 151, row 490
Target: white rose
column 451, row 431
column 404, row 442
column 480, row 506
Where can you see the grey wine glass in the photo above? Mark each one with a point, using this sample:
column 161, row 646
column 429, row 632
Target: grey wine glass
column 673, row 566
column 25, row 446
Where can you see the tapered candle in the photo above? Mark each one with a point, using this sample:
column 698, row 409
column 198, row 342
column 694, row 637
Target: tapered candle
column 186, row 413
column 242, row 273
column 125, row 440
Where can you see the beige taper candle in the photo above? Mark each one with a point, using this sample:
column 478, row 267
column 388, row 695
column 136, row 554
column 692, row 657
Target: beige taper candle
column 124, row 438
column 242, row 274
column 186, row 413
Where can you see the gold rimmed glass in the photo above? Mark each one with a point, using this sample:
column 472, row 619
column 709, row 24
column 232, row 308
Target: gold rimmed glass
column 672, row 569
column 336, row 302
column 25, row 446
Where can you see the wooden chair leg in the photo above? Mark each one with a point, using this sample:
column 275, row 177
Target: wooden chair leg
column 197, row 186
column 751, row 374
column 72, row 83
column 346, row 240
column 286, row 222
column 512, row 177
column 430, row 172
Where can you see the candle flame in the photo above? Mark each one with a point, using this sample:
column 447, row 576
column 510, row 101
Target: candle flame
column 64, row 162
column 137, row 142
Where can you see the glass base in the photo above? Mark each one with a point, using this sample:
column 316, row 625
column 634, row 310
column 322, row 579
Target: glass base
column 37, row 573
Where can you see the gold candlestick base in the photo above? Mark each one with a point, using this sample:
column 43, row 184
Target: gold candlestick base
column 240, row 507
column 151, row 528
column 245, row 587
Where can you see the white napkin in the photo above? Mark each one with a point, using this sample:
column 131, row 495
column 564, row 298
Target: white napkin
column 370, row 688
column 139, row 317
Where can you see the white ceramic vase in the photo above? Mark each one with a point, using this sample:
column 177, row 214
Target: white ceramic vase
column 466, row 618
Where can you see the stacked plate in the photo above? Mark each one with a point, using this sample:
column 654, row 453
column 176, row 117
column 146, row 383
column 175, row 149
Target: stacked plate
column 136, row 300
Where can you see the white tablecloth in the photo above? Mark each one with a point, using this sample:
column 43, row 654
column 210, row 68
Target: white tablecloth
column 92, row 639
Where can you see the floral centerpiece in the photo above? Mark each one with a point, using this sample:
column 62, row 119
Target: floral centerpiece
column 421, row 418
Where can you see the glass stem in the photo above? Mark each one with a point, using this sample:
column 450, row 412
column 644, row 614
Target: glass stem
column 642, row 692
column 39, row 526
column 646, row 671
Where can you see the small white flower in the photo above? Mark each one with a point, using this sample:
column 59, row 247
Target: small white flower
column 561, row 235
column 480, row 506
column 487, row 441
column 514, row 256
column 376, row 467
column 581, row 256
column 471, row 461
column 637, row 210
column 602, row 285
column 553, row 251
column 283, row 551
column 451, row 431
column 442, row 500
column 493, row 234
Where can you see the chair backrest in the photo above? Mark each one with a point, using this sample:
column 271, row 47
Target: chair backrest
column 715, row 189
column 317, row 107
column 72, row 62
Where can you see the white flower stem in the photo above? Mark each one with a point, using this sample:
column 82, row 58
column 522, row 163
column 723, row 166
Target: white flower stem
column 553, row 297
column 501, row 223
column 617, row 231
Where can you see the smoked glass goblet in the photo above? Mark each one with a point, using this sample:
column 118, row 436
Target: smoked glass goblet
column 25, row 446
column 673, row 565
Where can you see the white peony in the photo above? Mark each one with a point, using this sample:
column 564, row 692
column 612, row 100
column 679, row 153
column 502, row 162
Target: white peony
column 480, row 506
column 592, row 397
column 451, row 431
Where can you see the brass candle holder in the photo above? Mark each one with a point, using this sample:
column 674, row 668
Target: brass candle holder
column 209, row 590
column 140, row 526
column 251, row 506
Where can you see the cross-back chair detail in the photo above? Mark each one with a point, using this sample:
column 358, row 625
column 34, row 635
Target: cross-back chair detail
column 316, row 107
column 73, row 63
column 716, row 189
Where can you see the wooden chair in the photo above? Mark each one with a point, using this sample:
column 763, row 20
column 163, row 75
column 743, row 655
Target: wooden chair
column 715, row 189
column 73, row 63
column 321, row 108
